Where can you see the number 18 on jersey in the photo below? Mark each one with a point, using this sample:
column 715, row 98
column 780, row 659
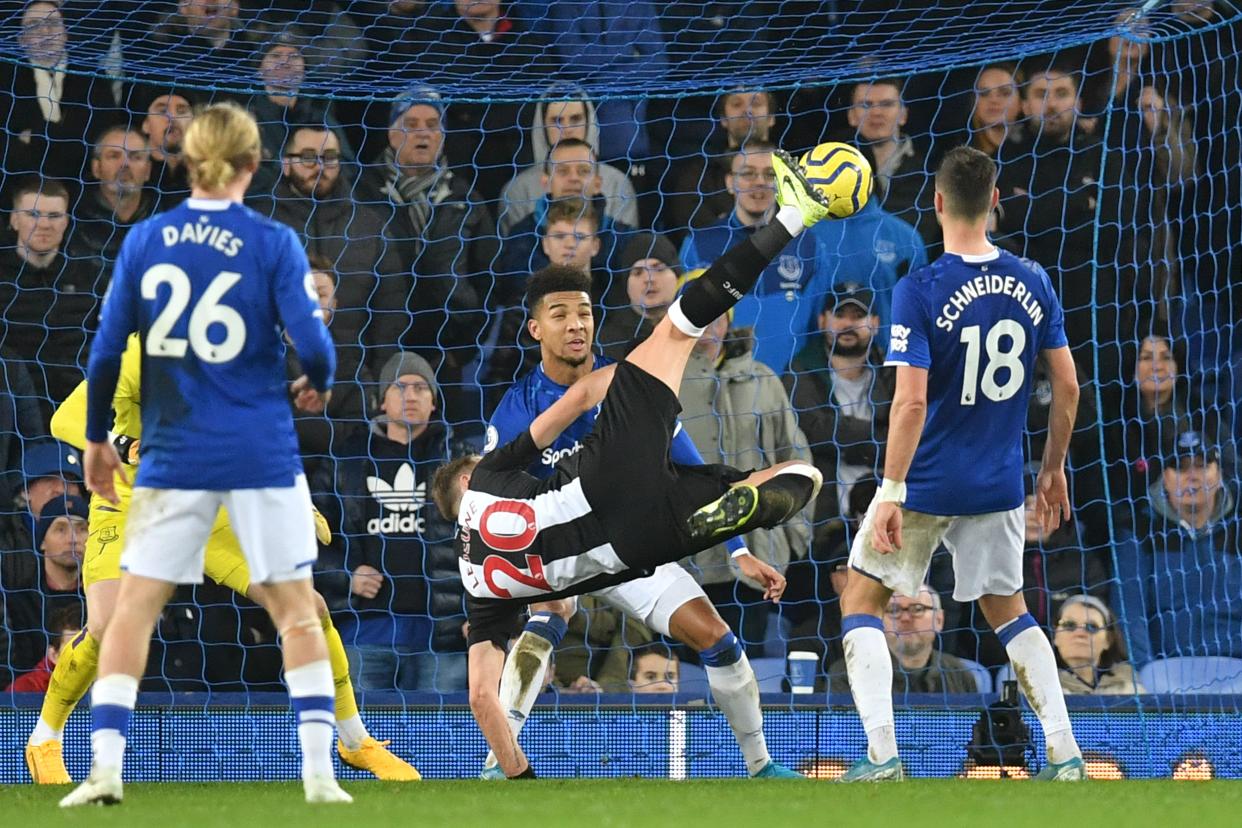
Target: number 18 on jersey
column 977, row 325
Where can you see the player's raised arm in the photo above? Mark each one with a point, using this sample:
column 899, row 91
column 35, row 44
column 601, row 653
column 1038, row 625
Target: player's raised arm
column 581, row 397
column 1051, row 489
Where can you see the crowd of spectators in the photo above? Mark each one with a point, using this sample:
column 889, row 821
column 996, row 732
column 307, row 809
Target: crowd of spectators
column 422, row 218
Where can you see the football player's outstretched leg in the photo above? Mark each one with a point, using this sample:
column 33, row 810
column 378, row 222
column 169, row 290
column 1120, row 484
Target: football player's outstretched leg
column 583, row 534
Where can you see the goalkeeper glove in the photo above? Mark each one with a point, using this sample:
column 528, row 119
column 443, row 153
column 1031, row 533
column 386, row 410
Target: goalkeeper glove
column 323, row 531
column 126, row 448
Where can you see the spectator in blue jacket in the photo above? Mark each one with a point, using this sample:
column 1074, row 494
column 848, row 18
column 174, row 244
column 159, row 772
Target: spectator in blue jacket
column 1179, row 568
column 571, row 171
column 873, row 249
column 790, row 291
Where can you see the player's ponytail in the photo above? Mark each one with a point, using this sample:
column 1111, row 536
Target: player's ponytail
column 222, row 141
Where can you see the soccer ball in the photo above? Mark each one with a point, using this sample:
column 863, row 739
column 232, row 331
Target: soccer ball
column 841, row 173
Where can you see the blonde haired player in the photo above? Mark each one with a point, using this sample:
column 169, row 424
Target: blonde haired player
column 212, row 289
column 223, row 563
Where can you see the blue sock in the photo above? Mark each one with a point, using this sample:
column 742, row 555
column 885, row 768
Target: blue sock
column 858, row 620
column 311, row 696
column 548, row 626
column 1008, row 631
column 724, row 652
column 112, row 703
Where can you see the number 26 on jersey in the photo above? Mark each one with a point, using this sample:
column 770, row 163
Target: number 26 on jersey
column 207, row 311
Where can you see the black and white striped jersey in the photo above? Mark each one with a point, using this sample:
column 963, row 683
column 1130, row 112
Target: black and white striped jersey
column 521, row 537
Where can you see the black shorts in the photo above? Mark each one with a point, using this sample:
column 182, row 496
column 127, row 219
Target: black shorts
column 639, row 495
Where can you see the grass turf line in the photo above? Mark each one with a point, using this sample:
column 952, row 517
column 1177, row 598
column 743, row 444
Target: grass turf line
column 629, row 802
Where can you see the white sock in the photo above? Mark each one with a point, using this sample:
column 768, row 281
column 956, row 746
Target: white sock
column 1036, row 669
column 311, row 693
column 44, row 732
column 352, row 731
column 521, row 682
column 871, row 682
column 791, row 217
column 681, row 322
column 736, row 690
column 112, row 701
column 107, row 750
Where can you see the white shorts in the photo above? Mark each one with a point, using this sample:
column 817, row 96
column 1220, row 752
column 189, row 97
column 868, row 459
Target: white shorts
column 986, row 550
column 167, row 529
column 654, row 599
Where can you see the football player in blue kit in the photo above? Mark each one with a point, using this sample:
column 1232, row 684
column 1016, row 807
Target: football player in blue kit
column 211, row 287
column 669, row 601
column 967, row 331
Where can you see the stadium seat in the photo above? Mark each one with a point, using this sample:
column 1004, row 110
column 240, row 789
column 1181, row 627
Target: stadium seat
column 693, row 680
column 1203, row 674
column 1004, row 674
column 770, row 672
column 982, row 677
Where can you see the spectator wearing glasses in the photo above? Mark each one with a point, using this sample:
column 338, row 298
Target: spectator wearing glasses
column 572, row 234
column 373, row 281
column 912, row 626
column 700, row 193
column 1091, row 651
column 782, row 307
column 282, row 72
column 571, row 171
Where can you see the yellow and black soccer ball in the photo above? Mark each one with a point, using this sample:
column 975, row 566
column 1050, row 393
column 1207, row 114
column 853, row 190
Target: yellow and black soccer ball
column 841, row 173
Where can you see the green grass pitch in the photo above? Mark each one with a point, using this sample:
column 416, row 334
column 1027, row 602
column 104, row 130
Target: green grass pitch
column 636, row 802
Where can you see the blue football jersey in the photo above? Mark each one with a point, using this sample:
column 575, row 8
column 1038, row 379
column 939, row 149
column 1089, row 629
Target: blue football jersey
column 977, row 324
column 530, row 396
column 211, row 287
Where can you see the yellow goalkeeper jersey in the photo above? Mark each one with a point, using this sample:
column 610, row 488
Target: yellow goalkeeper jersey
column 69, row 421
